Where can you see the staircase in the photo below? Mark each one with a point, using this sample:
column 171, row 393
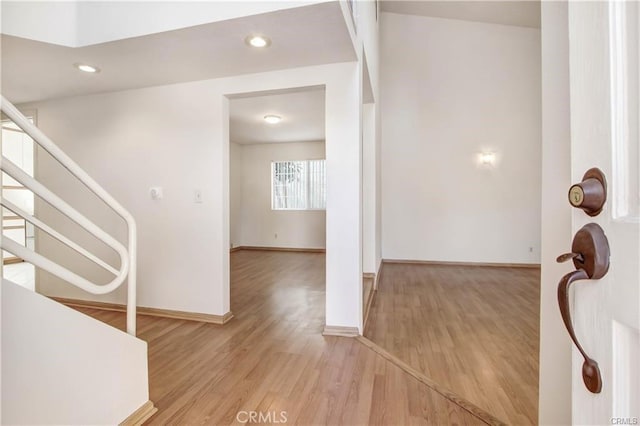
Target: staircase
column 60, row 366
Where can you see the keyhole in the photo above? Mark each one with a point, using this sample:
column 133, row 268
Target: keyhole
column 576, row 196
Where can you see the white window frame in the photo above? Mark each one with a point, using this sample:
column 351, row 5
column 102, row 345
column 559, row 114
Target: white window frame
column 273, row 207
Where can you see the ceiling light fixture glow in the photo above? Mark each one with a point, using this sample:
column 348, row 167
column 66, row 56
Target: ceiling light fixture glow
column 272, row 119
column 257, row 41
column 87, row 68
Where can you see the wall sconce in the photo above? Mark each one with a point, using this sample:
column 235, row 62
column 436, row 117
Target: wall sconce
column 487, row 159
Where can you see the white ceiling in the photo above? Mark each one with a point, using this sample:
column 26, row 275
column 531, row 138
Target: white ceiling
column 302, row 36
column 521, row 13
column 76, row 23
column 302, row 112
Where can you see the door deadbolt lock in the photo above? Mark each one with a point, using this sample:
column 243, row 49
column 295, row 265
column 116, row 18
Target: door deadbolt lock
column 590, row 194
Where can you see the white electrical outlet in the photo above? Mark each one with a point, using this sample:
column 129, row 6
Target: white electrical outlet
column 197, row 196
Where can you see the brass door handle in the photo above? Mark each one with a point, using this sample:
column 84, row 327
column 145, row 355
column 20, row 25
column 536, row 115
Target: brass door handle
column 590, row 255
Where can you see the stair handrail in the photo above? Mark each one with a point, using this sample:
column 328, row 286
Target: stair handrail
column 40, row 190
column 127, row 254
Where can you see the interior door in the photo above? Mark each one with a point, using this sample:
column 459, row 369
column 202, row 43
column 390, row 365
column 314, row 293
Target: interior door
column 604, row 77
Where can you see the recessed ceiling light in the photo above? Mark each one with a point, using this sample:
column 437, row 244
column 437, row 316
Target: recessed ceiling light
column 257, row 41
column 87, row 68
column 272, row 119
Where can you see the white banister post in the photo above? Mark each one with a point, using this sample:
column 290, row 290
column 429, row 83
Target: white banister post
column 131, row 282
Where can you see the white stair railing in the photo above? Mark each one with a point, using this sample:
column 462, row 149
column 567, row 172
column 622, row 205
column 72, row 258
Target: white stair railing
column 127, row 270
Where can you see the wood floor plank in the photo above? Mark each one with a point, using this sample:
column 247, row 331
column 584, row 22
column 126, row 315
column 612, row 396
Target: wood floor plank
column 273, row 358
column 471, row 329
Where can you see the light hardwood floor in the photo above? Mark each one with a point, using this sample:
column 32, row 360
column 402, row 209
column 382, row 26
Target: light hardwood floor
column 471, row 329
column 272, row 357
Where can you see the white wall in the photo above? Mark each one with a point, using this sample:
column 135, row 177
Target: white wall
column 369, row 264
column 235, row 193
column 378, row 190
column 132, row 140
column 256, row 223
column 366, row 42
column 555, row 348
column 451, row 89
column 49, row 355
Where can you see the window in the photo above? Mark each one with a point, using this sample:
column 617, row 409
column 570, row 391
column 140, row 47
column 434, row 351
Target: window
column 298, row 185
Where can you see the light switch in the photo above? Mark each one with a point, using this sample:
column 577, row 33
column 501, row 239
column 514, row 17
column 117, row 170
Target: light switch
column 156, row 193
column 197, row 196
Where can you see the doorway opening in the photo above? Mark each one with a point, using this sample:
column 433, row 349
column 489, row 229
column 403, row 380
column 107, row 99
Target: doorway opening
column 18, row 147
column 459, row 296
column 277, row 200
